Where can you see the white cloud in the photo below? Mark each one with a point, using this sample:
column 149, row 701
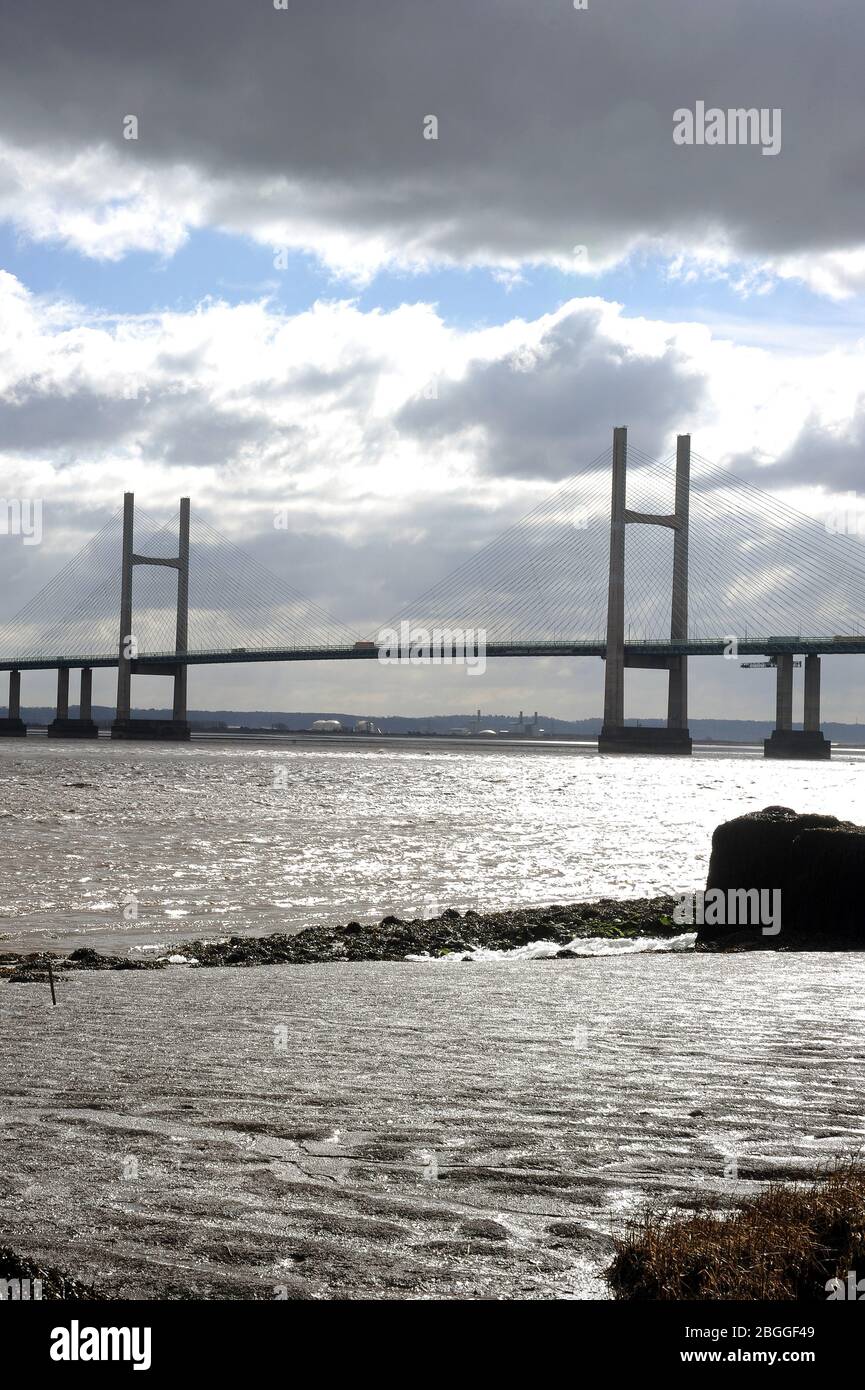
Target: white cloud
column 355, row 413
column 388, row 486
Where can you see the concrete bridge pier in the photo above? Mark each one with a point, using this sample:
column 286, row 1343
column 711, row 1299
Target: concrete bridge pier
column 82, row 727
column 785, row 741
column 616, row 736
column 13, row 725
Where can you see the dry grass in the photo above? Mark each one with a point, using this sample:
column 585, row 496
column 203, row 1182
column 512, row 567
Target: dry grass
column 784, row 1244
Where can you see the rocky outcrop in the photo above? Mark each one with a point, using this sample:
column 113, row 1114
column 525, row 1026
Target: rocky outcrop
column 390, row 939
column 33, row 968
column 817, row 865
column 449, row 934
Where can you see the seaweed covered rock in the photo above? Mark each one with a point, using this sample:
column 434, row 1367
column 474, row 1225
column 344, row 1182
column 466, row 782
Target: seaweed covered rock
column 449, row 934
column 85, row 958
column 33, row 968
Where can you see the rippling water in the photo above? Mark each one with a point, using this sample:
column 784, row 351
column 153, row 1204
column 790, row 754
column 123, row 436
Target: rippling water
column 411, row 1130
column 221, row 838
column 415, row 1130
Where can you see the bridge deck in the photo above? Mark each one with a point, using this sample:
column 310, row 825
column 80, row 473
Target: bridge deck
column 708, row 646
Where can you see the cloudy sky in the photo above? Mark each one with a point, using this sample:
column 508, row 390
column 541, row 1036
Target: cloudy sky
column 282, row 297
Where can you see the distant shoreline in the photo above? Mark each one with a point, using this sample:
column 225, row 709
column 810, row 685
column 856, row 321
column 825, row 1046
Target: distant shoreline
column 560, row 743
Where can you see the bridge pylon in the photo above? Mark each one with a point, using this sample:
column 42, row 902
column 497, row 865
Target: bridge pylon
column 124, row 725
column 616, row 736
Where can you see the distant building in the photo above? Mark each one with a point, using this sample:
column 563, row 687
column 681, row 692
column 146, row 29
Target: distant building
column 326, row 726
column 366, row 726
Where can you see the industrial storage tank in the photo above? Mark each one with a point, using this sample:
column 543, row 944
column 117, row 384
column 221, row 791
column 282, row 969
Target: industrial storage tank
column 326, row 726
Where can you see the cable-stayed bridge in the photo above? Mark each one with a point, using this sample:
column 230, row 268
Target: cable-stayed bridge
column 637, row 561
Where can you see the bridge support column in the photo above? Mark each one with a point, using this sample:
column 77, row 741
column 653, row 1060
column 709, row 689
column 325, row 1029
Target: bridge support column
column 182, row 627
column 13, row 726
column 125, row 652
column 124, row 726
column 807, row 742
column 63, row 693
column 784, row 693
column 812, row 694
column 63, row 726
column 85, row 699
column 677, row 694
column 614, row 672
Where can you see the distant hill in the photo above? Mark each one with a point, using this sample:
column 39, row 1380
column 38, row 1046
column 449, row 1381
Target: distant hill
column 725, row 730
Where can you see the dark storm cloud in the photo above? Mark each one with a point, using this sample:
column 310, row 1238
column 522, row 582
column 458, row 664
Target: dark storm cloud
column 555, row 125
column 546, row 413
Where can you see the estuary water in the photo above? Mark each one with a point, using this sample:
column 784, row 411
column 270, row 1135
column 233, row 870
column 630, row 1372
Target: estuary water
column 411, row 1130
column 417, row 1130
column 121, row 846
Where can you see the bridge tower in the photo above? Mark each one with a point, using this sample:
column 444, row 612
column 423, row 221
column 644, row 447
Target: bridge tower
column 124, row 725
column 616, row 736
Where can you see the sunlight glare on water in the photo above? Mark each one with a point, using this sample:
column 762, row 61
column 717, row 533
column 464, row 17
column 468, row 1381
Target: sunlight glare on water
column 221, row 839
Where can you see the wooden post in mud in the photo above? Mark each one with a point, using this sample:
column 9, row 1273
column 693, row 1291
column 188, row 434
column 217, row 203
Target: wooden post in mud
column 51, row 983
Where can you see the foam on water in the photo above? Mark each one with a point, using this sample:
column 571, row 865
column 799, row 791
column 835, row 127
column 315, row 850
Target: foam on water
column 580, row 946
